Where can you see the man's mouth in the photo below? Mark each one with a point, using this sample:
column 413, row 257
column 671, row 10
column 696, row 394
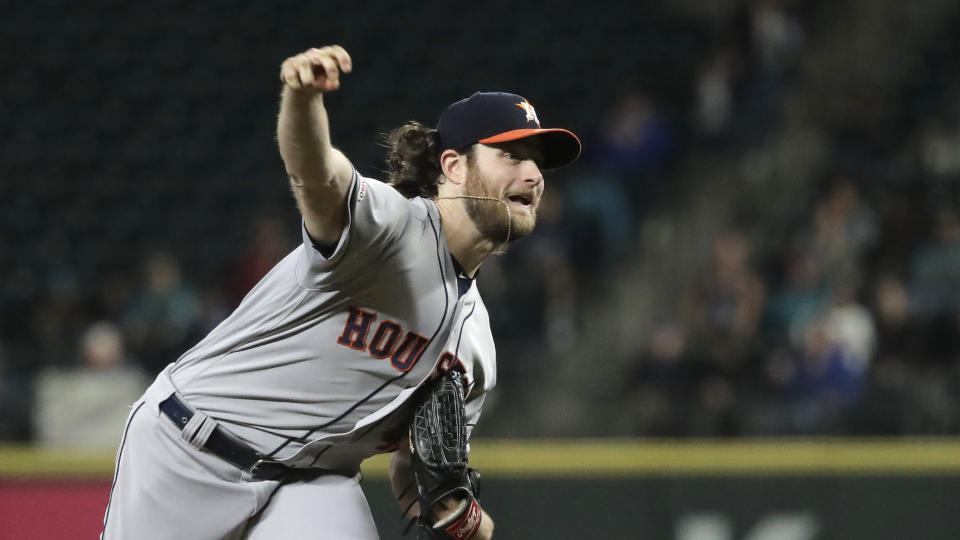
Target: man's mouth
column 521, row 198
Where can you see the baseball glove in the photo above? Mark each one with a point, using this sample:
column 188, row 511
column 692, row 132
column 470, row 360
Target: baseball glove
column 438, row 448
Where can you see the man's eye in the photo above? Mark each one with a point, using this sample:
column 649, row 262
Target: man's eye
column 508, row 155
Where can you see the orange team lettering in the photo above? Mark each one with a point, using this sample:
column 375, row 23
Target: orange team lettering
column 403, row 355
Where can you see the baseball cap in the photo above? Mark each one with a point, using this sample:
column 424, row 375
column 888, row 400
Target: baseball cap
column 494, row 117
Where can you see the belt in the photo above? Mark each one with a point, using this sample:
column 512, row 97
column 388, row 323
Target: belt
column 225, row 446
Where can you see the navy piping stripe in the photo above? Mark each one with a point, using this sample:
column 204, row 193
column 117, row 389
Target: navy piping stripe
column 320, row 453
column 446, row 307
column 456, row 352
column 116, row 473
column 446, row 295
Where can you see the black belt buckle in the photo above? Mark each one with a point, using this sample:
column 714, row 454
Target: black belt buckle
column 268, row 469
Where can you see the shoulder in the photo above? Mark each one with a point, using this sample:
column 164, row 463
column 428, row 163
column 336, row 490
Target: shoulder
column 378, row 196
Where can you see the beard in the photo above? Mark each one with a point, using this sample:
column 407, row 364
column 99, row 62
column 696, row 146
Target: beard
column 492, row 218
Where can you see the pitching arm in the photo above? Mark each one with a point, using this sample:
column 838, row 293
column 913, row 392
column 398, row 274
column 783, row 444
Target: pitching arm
column 320, row 175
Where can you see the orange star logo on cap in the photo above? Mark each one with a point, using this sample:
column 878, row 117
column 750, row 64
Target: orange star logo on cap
column 531, row 114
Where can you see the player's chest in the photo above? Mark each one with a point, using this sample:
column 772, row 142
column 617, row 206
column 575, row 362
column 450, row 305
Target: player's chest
column 469, row 346
column 457, row 336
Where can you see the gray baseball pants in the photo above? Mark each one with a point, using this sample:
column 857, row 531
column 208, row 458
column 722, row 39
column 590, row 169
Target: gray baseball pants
column 164, row 488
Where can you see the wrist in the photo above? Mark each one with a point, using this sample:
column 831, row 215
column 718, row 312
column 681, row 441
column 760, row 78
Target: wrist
column 304, row 95
column 463, row 523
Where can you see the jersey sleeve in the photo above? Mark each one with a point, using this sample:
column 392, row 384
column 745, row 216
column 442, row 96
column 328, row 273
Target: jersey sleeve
column 376, row 215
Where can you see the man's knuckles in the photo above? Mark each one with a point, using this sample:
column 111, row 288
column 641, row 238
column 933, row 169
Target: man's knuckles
column 316, row 68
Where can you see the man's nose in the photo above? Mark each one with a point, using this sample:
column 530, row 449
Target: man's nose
column 531, row 172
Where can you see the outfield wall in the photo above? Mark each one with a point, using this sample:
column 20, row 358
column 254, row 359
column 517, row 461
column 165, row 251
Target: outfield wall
column 691, row 490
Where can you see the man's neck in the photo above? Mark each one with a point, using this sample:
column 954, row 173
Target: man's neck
column 467, row 245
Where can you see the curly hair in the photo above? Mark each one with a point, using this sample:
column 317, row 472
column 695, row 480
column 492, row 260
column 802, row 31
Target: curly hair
column 413, row 160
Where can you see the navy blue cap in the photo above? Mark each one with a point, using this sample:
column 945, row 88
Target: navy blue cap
column 493, row 117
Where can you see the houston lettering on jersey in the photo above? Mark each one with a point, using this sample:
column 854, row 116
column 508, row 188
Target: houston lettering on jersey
column 448, row 360
column 386, row 341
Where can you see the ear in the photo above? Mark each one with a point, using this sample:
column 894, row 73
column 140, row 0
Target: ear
column 453, row 164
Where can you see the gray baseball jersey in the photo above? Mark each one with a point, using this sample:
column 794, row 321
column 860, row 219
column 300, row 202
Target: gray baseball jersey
column 313, row 369
column 310, row 366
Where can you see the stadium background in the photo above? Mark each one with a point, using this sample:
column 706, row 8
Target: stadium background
column 761, row 242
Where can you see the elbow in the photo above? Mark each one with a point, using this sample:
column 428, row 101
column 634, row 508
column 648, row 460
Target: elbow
column 307, row 172
column 321, row 170
column 296, row 182
column 310, row 181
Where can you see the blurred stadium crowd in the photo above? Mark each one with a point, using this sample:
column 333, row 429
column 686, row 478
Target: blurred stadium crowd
column 762, row 237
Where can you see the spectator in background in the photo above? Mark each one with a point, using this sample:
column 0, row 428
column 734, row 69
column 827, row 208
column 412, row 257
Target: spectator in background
column 657, row 393
column 798, row 303
column 820, row 382
column 601, row 223
column 603, row 204
column 674, row 390
column 723, row 316
column 84, row 406
column 845, row 228
column 268, row 245
column 633, row 143
column 102, row 347
column 938, row 141
column 822, row 375
column 635, row 137
column 725, row 311
column 714, row 94
column 162, row 316
column 891, row 306
column 850, row 326
column 772, row 39
column 829, row 254
column 934, row 292
column 776, row 36
column 935, row 269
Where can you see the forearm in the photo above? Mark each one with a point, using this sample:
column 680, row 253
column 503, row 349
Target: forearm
column 319, row 174
column 485, row 532
column 405, row 490
column 303, row 133
column 402, row 482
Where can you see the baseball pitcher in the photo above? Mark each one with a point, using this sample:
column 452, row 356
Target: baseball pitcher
column 370, row 337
